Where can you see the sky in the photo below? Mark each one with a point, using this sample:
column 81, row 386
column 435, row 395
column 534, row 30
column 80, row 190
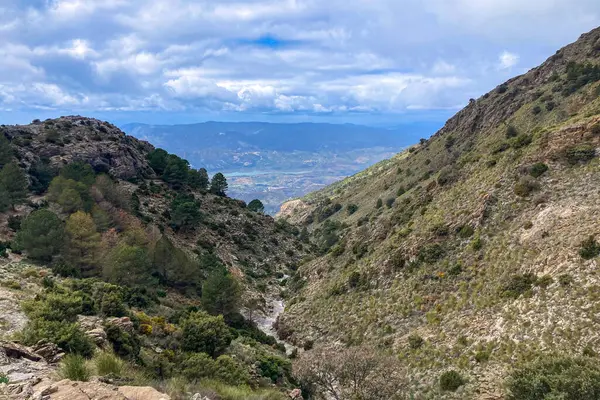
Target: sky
column 376, row 62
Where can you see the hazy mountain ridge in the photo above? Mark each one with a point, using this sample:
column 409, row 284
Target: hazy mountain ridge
column 276, row 162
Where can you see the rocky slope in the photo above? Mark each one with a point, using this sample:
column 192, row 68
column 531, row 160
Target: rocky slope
column 471, row 250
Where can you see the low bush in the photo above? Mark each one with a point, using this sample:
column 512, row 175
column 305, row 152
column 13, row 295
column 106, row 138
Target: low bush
column 525, row 186
column 579, row 154
column 521, row 140
column 590, row 248
column 451, row 380
column 229, row 371
column 431, row 253
column 198, row 366
column 538, row 169
column 65, row 335
column 518, row 285
column 124, row 344
column 562, row 378
column 74, row 367
column 274, row 367
column 415, row 341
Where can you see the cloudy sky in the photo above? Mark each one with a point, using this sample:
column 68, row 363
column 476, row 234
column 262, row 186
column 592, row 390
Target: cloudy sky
column 368, row 61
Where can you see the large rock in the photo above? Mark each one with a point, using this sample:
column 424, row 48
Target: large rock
column 15, row 350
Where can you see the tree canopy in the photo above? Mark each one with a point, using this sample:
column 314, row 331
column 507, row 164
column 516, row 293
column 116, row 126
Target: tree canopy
column 221, row 293
column 256, row 206
column 41, row 235
column 218, row 184
column 14, row 183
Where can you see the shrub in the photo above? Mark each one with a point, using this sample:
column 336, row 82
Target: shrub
column 67, row 336
column 274, row 367
column 565, row 279
column 415, row 341
column 351, row 208
column 3, row 378
column 525, row 186
column 518, row 285
column 14, row 223
column 450, row 140
column 124, row 344
column 521, row 141
column 511, row 132
column 596, row 128
column 538, row 169
column 562, row 378
column 198, row 366
column 390, row 202
column 431, row 253
column 451, row 380
column 536, row 110
column 589, row 249
column 108, row 364
column 203, row 333
column 482, row 356
column 379, row 203
column 446, row 176
column 55, row 306
column 74, row 367
column 466, row 231
column 580, row 154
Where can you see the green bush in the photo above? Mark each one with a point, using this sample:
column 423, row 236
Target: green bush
column 415, row 341
column 518, row 285
column 580, row 154
column 596, row 128
column 55, row 306
column 511, row 132
column 3, row 378
column 521, row 141
column 124, row 344
column 565, row 279
column 590, row 248
column 274, row 367
column 203, row 333
column 379, row 203
column 451, row 380
column 65, row 335
column 74, row 367
column 561, row 378
column 431, row 253
column 466, row 231
column 198, row 366
column 536, row 110
column 538, row 169
column 41, row 235
column 229, row 371
column 107, row 363
column 351, row 208
column 525, row 186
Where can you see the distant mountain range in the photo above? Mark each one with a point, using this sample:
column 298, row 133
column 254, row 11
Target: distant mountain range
column 275, row 161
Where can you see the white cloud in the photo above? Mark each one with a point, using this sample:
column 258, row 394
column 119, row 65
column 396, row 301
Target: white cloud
column 303, row 56
column 508, row 60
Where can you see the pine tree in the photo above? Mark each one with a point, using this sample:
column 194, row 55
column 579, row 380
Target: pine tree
column 198, row 179
column 82, row 242
column 14, row 182
column 256, row 206
column 221, row 293
column 218, row 185
column 41, row 235
column 6, row 151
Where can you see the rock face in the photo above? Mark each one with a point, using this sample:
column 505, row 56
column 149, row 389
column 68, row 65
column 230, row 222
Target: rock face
column 69, row 139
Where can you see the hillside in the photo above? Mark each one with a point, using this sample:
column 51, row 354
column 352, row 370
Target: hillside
column 471, row 254
column 276, row 162
column 119, row 252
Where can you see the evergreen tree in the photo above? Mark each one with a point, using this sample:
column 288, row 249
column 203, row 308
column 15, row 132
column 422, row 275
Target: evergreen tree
column 6, row 151
column 185, row 213
column 14, row 183
column 82, row 242
column 256, row 206
column 79, row 172
column 129, row 265
column 176, row 171
column 158, row 160
column 41, row 235
column 202, row 333
column 218, row 185
column 221, row 293
column 198, row 179
column 41, row 175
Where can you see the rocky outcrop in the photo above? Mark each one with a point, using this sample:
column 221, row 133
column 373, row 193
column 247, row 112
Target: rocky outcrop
column 67, row 139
